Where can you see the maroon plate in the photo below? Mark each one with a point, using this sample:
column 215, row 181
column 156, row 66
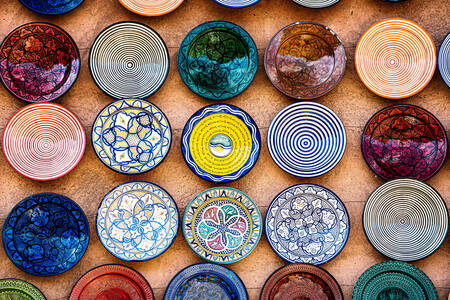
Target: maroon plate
column 301, row 281
column 404, row 141
column 39, row 62
column 112, row 282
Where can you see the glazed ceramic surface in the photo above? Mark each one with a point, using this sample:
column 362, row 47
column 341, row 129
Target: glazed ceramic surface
column 220, row 143
column 114, row 282
column 395, row 58
column 51, row 7
column 39, row 62
column 217, row 60
column 444, row 60
column 131, row 136
column 404, row 141
column 316, row 3
column 237, row 3
column 222, row 225
column 307, row 223
column 44, row 141
column 129, row 60
column 137, row 221
column 151, row 8
column 305, row 60
column 301, row 281
column 206, row 282
column 394, row 280
column 45, row 234
column 405, row 219
column 16, row 289
column 306, row 139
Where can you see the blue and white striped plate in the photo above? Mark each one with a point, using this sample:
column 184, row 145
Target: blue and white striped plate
column 444, row 60
column 316, row 3
column 306, row 139
column 236, row 3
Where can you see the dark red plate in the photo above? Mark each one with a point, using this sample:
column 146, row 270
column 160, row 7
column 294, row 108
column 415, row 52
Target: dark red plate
column 112, row 282
column 404, row 141
column 39, row 62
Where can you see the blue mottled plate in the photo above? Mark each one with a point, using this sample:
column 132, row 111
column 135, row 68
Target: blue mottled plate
column 51, row 7
column 444, row 60
column 46, row 234
column 137, row 221
column 217, row 60
column 206, row 281
column 236, row 3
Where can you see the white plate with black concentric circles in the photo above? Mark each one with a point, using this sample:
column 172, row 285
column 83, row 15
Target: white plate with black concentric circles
column 306, row 139
column 129, row 60
column 405, row 219
column 316, row 3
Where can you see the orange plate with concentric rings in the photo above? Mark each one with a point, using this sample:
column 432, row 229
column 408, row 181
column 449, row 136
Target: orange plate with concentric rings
column 395, row 58
column 151, row 8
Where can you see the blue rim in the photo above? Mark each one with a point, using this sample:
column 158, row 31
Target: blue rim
column 445, row 46
column 66, row 8
column 237, row 6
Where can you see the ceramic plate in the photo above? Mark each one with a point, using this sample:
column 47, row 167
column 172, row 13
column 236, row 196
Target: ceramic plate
column 316, row 3
column 44, row 141
column 18, row 289
column 46, row 234
column 301, row 281
column 236, row 3
column 206, row 281
column 305, row 60
column 405, row 219
column 404, row 141
column 48, row 7
column 150, row 8
column 112, row 282
column 220, row 143
column 395, row 58
column 217, row 60
column 137, row 221
column 306, row 139
column 394, row 280
column 131, row 136
column 444, row 60
column 307, row 223
column 39, row 62
column 222, row 225
column 129, row 60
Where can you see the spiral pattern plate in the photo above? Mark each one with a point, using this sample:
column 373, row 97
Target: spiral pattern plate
column 151, row 7
column 237, row 3
column 444, row 60
column 316, row 3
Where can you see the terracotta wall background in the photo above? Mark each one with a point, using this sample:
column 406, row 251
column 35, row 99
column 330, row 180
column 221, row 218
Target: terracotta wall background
column 351, row 179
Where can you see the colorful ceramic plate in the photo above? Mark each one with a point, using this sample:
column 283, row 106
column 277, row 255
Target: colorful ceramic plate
column 405, row 219
column 316, row 3
column 395, row 58
column 150, row 8
column 44, row 141
column 46, row 234
column 18, row 289
column 206, row 281
column 137, row 221
column 236, row 3
column 306, row 139
column 222, row 225
column 444, row 60
column 129, row 60
column 307, row 223
column 49, row 7
column 220, row 143
column 39, row 62
column 301, row 281
column 404, row 141
column 217, row 60
column 394, row 280
column 305, row 60
column 131, row 136
column 112, row 282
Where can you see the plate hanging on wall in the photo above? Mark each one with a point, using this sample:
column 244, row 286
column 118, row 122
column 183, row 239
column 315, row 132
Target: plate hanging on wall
column 19, row 289
column 151, row 8
column 316, row 3
column 236, row 3
column 444, row 60
column 49, row 7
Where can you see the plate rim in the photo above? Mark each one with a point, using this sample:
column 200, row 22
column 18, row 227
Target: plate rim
column 50, row 14
column 230, row 6
column 329, row 5
column 151, row 14
column 39, row 294
column 446, row 40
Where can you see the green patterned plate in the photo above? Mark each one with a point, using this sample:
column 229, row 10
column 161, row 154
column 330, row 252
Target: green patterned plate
column 16, row 289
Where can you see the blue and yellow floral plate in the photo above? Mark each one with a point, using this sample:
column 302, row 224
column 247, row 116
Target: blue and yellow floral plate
column 46, row 234
column 137, row 221
column 131, row 136
column 51, row 7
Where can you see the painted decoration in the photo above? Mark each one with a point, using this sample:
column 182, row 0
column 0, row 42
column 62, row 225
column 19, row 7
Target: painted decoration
column 51, row 7
column 237, row 3
column 13, row 289
column 316, row 3
column 444, row 60
column 151, row 8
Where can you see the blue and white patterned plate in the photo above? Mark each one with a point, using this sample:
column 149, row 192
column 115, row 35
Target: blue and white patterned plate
column 47, row 7
column 206, row 281
column 236, row 3
column 307, row 223
column 131, row 136
column 444, row 60
column 46, row 234
column 306, row 139
column 137, row 221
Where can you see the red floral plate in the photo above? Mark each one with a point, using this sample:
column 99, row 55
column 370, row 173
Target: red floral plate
column 39, row 62
column 112, row 282
column 301, row 281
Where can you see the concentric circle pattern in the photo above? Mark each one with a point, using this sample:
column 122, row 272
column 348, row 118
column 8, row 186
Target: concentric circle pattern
column 405, row 219
column 237, row 3
column 316, row 3
column 444, row 60
column 395, row 58
column 11, row 288
column 129, row 60
column 44, row 141
column 306, row 139
column 151, row 8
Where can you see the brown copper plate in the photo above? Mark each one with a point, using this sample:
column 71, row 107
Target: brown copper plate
column 301, row 281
